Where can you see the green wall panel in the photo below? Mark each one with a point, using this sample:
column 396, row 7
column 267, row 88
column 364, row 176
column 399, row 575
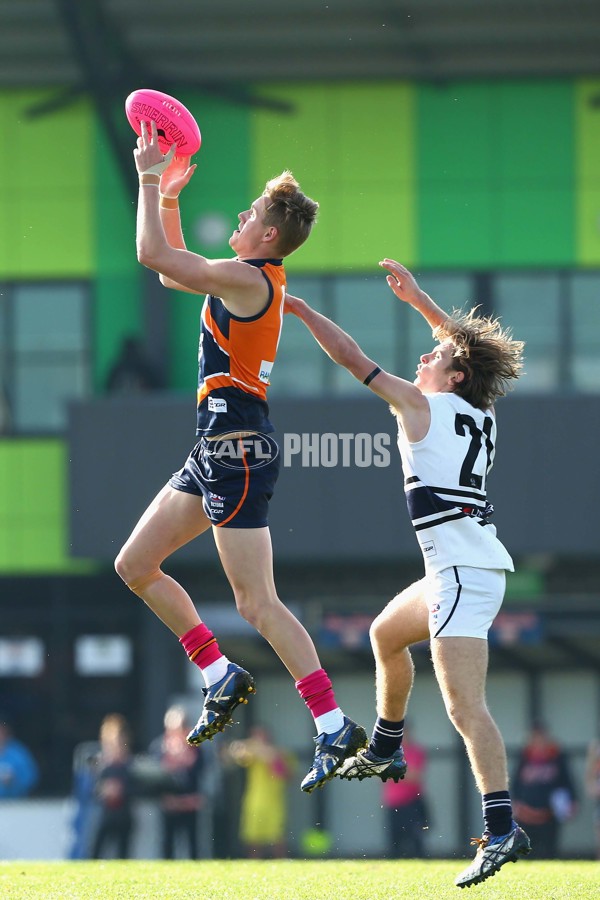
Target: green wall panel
column 351, row 146
column 301, row 141
column 587, row 129
column 534, row 162
column 455, row 225
column 455, row 144
column 33, row 511
column 45, row 184
column 496, row 163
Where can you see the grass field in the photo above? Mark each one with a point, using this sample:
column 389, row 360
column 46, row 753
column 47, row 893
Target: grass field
column 291, row 880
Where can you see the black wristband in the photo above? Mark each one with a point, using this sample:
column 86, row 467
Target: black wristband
column 372, row 375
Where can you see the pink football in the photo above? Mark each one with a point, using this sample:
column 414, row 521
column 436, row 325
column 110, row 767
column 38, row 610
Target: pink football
column 175, row 123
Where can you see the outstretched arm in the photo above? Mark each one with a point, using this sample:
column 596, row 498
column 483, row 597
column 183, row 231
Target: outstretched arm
column 338, row 345
column 405, row 287
column 172, row 182
column 407, row 400
column 227, row 278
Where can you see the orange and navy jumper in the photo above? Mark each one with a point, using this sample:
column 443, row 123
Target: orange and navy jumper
column 236, row 476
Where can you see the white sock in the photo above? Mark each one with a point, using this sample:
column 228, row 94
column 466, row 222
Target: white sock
column 215, row 671
column 330, row 722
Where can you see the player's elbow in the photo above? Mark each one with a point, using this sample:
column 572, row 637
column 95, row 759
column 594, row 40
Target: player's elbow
column 167, row 282
column 151, row 253
column 145, row 256
column 141, row 246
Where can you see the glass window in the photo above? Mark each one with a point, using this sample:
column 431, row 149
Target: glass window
column 364, row 307
column 50, row 354
column 5, row 413
column 556, row 313
column 585, row 309
column 49, row 318
column 3, row 312
column 529, row 303
column 449, row 290
column 300, row 366
column 41, row 394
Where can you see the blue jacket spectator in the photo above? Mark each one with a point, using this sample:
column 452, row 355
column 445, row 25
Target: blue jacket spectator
column 19, row 772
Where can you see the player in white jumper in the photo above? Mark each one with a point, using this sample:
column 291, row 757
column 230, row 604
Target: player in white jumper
column 446, row 437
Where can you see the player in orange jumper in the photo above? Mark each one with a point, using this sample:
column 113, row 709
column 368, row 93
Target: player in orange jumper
column 228, row 479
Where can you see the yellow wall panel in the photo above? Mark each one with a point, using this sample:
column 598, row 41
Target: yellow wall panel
column 46, row 170
column 33, row 511
column 351, row 146
column 587, row 171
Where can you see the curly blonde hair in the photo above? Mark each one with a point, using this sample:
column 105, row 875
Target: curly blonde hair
column 485, row 352
column 290, row 211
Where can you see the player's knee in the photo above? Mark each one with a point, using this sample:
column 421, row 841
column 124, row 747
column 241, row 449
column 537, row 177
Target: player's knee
column 248, row 610
column 126, row 567
column 256, row 613
column 135, row 577
column 381, row 637
column 454, row 714
column 460, row 715
column 121, row 566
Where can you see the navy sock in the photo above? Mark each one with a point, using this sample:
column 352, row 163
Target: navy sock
column 497, row 812
column 386, row 737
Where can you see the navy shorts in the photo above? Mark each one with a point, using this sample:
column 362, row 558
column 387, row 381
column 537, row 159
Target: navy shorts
column 235, row 478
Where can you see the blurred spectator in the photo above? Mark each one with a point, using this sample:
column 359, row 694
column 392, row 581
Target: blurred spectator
column 18, row 769
column 114, row 789
column 85, row 768
column 405, row 805
column 5, row 411
column 132, row 372
column 182, row 767
column 543, row 792
column 264, row 803
column 592, row 785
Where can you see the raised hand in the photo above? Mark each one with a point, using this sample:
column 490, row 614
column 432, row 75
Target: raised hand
column 405, row 287
column 402, row 282
column 176, row 176
column 149, row 158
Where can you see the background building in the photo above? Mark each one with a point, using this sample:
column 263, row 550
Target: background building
column 460, row 138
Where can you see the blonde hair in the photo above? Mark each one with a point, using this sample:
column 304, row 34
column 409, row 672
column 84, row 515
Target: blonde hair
column 114, row 731
column 290, row 211
column 485, row 353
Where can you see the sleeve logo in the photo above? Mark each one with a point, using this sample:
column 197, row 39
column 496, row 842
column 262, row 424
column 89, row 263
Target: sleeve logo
column 264, row 372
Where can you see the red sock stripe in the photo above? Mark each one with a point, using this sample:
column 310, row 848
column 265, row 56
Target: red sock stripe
column 201, row 645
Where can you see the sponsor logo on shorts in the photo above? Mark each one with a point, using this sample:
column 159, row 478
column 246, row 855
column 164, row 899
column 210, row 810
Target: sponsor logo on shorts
column 216, row 503
column 429, row 549
column 251, row 452
column 217, row 405
column 264, row 372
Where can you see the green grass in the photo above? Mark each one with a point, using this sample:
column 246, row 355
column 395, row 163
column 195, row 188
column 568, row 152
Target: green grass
column 291, row 880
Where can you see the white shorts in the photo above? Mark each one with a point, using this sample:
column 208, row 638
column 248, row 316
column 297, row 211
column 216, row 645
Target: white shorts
column 463, row 601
